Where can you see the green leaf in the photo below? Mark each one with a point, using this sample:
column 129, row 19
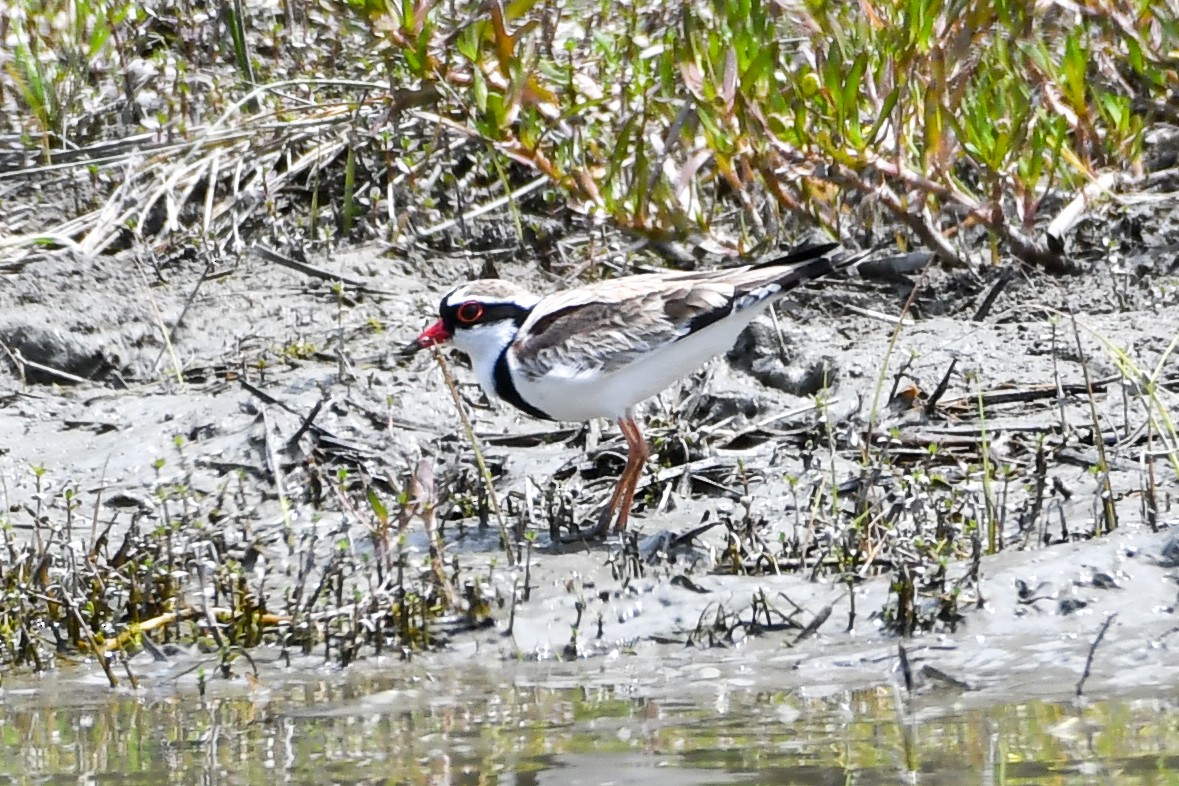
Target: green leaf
column 850, row 100
column 470, row 39
column 1075, row 63
column 932, row 126
column 518, row 8
column 479, row 90
column 378, row 507
column 760, row 71
column 886, row 110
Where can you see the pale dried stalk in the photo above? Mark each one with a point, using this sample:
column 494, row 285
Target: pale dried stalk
column 492, row 500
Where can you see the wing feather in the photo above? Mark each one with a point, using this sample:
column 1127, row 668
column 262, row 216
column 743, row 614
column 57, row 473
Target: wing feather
column 607, row 325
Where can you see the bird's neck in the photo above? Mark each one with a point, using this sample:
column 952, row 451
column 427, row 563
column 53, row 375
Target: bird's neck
column 488, row 346
column 505, row 388
column 485, row 345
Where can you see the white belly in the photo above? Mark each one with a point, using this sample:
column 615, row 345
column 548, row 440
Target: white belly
column 587, row 395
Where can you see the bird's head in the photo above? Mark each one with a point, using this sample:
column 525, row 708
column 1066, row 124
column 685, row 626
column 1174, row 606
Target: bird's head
column 481, row 317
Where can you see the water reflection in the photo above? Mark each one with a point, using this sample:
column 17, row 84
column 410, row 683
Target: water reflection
column 461, row 731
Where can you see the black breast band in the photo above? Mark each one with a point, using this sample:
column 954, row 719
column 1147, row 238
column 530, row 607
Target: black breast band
column 505, row 388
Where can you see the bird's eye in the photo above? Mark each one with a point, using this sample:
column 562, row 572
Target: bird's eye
column 470, row 312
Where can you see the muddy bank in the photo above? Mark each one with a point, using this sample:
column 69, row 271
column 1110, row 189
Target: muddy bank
column 825, row 538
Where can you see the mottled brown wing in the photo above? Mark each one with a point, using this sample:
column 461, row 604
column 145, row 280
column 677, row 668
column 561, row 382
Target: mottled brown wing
column 603, row 327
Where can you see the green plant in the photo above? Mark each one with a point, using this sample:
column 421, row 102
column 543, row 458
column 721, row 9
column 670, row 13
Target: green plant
column 57, row 48
column 944, row 114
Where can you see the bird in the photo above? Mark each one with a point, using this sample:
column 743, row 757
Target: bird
column 597, row 350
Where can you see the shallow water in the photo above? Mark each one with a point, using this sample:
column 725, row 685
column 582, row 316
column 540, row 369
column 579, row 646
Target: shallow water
column 463, row 729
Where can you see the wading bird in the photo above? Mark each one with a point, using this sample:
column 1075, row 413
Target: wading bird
column 599, row 349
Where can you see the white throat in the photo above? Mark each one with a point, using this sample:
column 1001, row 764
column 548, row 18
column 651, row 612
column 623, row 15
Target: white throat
column 484, row 344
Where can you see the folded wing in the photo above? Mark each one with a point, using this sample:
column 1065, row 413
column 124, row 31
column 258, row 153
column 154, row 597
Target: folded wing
column 603, row 327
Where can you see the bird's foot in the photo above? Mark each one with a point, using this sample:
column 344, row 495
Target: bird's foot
column 598, row 531
column 684, row 544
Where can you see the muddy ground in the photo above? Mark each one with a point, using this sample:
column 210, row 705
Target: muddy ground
column 91, row 393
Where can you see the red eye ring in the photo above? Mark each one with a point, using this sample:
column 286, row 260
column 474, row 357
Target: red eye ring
column 469, row 312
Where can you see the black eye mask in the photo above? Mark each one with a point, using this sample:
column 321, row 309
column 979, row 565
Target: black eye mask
column 491, row 312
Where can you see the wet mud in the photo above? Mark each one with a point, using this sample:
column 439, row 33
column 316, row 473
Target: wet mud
column 264, row 365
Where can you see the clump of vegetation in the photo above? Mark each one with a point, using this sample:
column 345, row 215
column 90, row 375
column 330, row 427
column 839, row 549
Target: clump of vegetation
column 191, row 570
column 937, row 115
column 731, row 121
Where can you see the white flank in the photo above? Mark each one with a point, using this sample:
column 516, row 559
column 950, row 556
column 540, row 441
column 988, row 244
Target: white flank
column 576, row 395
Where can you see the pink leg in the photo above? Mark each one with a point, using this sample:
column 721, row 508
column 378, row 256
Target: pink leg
column 636, row 459
column 624, row 493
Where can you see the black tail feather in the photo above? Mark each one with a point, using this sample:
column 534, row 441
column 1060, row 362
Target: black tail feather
column 797, row 255
column 808, row 263
column 799, row 266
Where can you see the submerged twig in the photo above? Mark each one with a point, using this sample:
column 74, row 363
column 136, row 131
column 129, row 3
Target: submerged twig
column 1093, row 651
